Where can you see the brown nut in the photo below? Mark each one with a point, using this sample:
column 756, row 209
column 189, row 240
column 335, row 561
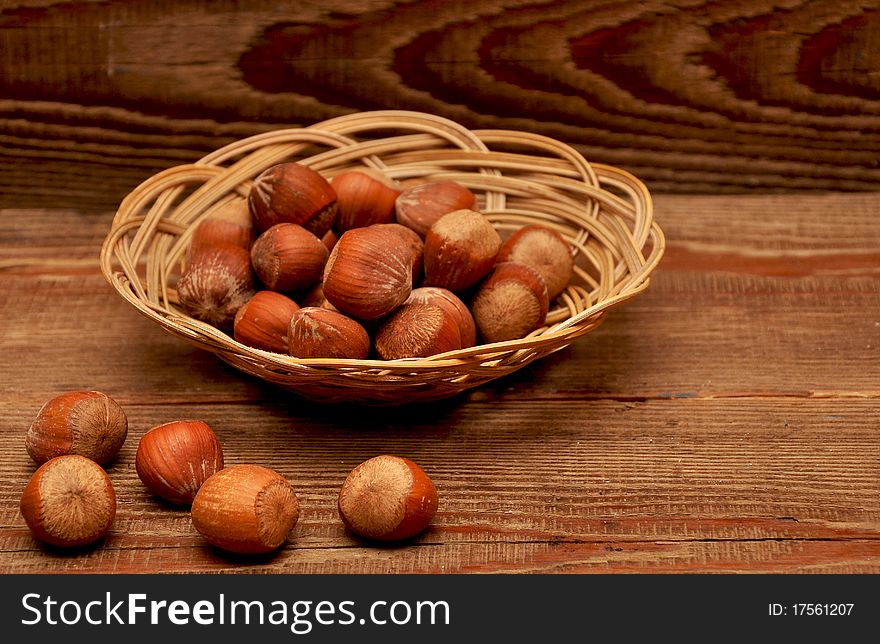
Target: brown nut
column 263, row 321
column 420, row 205
column 546, row 251
column 410, row 239
column 287, row 257
column 387, row 498
column 215, row 284
column 246, row 509
column 369, row 273
column 510, row 303
column 417, row 330
column 317, row 332
column 69, row 501
column 292, row 193
column 454, row 306
column 460, row 249
column 230, row 224
column 88, row 423
column 174, row 459
column 364, row 197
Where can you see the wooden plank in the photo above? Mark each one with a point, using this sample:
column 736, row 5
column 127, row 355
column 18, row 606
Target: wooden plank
column 769, row 485
column 693, row 96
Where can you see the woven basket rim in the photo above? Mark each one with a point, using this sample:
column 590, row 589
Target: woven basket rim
column 607, row 211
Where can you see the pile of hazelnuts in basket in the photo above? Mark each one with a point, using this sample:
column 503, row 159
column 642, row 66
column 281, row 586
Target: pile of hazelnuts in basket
column 361, row 266
column 70, row 499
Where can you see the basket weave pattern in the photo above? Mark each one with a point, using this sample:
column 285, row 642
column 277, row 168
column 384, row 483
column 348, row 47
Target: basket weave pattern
column 519, row 178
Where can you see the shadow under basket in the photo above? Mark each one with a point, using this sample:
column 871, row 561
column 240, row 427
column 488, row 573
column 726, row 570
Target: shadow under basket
column 604, row 213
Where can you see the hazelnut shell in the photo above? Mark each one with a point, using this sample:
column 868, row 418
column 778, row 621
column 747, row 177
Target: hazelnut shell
column 88, row 423
column 546, row 251
column 411, row 240
column 454, row 306
column 263, row 321
column 288, row 258
column 215, row 284
column 247, row 509
column 174, row 459
column 69, row 501
column 420, row 205
column 369, row 273
column 292, row 193
column 364, row 197
column 510, row 303
column 387, row 498
column 230, row 224
column 417, row 330
column 460, row 248
column 317, row 332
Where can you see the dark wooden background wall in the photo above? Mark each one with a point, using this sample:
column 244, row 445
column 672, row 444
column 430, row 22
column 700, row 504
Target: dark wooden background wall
column 692, row 96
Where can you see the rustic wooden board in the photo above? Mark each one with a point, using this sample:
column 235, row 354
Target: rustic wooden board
column 724, row 421
column 691, row 96
column 666, row 485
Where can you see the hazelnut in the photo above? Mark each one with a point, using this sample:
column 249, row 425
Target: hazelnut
column 510, row 303
column 420, row 205
column 546, row 251
column 460, row 248
column 317, row 332
column 411, row 240
column 263, row 321
column 287, row 257
column 364, row 197
column 174, row 459
column 292, row 193
column 215, row 284
column 417, row 330
column 69, row 501
column 369, row 273
column 454, row 306
column 245, row 509
column 88, row 423
column 387, row 498
column 230, row 224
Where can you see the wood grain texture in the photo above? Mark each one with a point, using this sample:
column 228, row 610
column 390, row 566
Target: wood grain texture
column 726, row 420
column 692, row 96
column 667, row 485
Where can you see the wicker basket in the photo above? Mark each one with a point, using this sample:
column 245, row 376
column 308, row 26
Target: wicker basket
column 519, row 178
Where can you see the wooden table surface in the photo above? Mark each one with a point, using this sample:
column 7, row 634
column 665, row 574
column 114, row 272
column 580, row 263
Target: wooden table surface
column 726, row 420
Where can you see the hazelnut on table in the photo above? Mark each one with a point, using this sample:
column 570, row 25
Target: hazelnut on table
column 387, row 498
column 89, row 423
column 174, row 459
column 246, row 509
column 69, row 501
